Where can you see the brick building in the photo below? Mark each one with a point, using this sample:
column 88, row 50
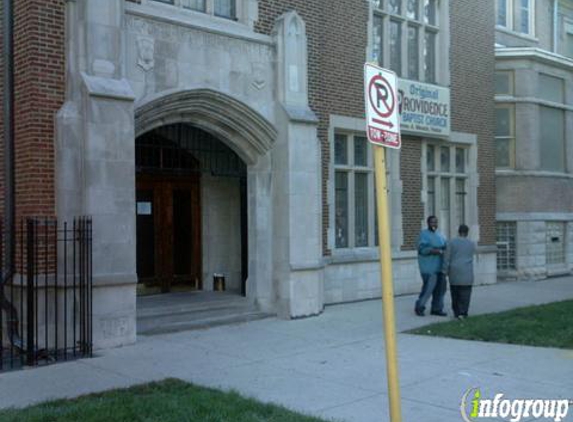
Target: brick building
column 534, row 140
column 227, row 136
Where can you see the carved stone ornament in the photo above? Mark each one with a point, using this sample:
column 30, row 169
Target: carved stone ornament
column 258, row 72
column 146, row 52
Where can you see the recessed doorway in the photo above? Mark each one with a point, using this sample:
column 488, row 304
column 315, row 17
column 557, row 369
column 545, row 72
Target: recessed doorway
column 168, row 233
column 191, row 212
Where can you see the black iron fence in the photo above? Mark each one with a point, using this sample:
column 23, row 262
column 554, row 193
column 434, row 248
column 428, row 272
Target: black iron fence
column 46, row 298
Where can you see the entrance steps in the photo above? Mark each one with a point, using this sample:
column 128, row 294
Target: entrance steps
column 171, row 312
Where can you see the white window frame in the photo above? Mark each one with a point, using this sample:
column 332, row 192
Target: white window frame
column 508, row 13
column 381, row 11
column 509, row 245
column 451, row 176
column 530, row 16
column 344, row 125
column 513, row 10
column 351, row 169
column 469, row 143
column 510, row 138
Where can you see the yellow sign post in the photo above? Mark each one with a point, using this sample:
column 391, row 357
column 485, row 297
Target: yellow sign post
column 387, row 284
column 383, row 130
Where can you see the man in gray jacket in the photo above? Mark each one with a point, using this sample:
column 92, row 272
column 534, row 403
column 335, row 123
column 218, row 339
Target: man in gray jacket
column 459, row 267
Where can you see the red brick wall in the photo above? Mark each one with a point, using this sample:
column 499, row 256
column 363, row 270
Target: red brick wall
column 1, row 112
column 342, row 67
column 337, row 40
column 471, row 66
column 412, row 210
column 39, row 93
column 472, row 71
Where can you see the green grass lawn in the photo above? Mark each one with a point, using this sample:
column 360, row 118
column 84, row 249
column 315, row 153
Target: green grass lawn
column 167, row 401
column 544, row 325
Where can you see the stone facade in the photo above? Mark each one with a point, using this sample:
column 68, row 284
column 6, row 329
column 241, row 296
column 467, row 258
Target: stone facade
column 276, row 85
column 532, row 193
column 221, row 226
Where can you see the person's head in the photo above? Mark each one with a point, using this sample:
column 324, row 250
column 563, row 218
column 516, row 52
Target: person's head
column 463, row 230
column 432, row 223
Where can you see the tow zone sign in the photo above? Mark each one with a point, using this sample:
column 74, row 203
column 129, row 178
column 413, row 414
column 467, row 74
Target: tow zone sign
column 381, row 98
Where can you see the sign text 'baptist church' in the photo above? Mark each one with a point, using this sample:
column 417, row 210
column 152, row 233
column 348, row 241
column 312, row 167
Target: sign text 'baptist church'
column 424, row 108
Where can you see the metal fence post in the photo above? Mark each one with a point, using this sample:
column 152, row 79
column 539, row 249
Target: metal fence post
column 39, row 342
column 30, row 317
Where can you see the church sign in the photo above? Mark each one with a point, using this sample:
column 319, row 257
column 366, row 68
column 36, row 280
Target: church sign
column 424, row 108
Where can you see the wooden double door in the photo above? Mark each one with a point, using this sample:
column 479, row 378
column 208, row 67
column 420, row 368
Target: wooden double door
column 168, row 232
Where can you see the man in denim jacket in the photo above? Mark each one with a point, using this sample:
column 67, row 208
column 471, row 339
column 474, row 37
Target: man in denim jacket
column 431, row 247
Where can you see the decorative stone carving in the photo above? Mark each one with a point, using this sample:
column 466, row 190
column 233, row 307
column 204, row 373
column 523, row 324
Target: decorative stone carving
column 196, row 38
column 146, row 53
column 294, row 45
column 292, row 65
column 258, row 72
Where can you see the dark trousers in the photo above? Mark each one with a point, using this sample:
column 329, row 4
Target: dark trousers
column 461, row 296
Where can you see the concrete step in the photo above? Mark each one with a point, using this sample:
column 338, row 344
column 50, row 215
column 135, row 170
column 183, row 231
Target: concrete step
column 166, row 310
column 164, row 326
column 192, row 310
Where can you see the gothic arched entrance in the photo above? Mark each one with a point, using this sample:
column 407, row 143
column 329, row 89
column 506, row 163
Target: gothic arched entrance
column 190, row 211
column 250, row 136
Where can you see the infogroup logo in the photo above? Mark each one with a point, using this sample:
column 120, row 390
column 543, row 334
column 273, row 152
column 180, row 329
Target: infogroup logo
column 474, row 406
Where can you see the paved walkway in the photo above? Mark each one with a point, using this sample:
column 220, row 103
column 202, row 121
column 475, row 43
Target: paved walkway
column 332, row 365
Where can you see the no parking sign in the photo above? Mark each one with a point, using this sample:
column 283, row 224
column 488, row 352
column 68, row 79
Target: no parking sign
column 381, row 100
column 383, row 130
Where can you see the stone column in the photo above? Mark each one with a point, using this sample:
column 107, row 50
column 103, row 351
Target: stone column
column 298, row 264
column 260, row 234
column 95, row 161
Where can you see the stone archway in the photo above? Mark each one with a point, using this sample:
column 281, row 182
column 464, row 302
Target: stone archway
column 251, row 137
column 243, row 129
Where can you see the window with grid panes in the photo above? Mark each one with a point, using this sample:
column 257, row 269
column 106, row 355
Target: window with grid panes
column 221, row 8
column 516, row 15
column 446, row 184
column 504, row 136
column 405, row 34
column 505, row 241
column 354, row 219
column 555, row 243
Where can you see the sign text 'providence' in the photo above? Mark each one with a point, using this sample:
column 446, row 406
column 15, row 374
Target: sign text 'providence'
column 424, row 108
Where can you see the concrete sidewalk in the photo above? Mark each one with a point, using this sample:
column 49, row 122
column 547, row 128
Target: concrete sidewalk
column 332, row 366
